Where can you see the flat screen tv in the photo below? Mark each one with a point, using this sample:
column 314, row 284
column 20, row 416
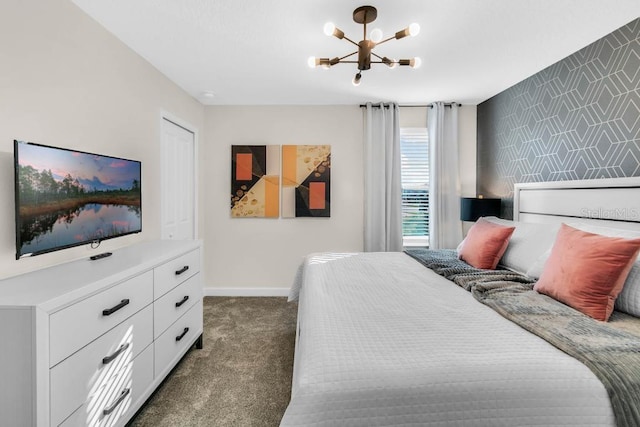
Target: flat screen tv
column 66, row 198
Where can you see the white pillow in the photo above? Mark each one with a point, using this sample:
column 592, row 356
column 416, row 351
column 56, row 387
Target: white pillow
column 536, row 270
column 629, row 299
column 528, row 242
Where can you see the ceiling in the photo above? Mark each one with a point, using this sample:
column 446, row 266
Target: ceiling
column 250, row 52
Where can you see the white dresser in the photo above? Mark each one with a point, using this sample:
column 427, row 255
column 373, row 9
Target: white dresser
column 86, row 343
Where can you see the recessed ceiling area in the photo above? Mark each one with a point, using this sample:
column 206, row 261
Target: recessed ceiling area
column 247, row 52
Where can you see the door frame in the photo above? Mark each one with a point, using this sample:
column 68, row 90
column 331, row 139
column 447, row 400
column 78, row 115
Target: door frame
column 165, row 115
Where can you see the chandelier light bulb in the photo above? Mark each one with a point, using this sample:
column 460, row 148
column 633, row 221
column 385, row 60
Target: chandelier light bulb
column 414, row 29
column 356, row 79
column 415, row 62
column 391, row 63
column 329, row 28
column 312, row 62
column 376, row 35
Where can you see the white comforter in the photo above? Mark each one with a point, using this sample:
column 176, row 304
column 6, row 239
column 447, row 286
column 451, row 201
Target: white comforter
column 384, row 341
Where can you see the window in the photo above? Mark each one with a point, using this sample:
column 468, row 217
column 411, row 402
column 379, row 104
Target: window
column 414, row 149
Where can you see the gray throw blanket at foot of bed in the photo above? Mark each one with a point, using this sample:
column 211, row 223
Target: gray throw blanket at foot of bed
column 610, row 349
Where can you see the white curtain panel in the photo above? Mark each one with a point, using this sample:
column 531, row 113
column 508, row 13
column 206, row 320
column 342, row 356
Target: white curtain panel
column 382, row 179
column 445, row 227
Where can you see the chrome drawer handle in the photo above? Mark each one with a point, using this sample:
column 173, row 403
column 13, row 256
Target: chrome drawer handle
column 109, row 359
column 110, row 311
column 182, row 270
column 185, row 299
column 179, row 337
column 109, row 409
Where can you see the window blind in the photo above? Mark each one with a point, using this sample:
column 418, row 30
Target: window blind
column 414, row 148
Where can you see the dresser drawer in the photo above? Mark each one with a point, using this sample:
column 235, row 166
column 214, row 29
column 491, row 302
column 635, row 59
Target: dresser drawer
column 173, row 343
column 77, row 325
column 175, row 303
column 118, row 394
column 174, row 272
column 77, row 378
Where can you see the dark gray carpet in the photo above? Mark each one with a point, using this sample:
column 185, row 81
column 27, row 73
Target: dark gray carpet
column 242, row 376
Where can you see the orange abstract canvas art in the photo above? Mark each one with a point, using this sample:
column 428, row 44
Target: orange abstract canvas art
column 255, row 181
column 306, row 181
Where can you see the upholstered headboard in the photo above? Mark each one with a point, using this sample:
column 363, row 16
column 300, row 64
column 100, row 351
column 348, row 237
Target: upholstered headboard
column 611, row 202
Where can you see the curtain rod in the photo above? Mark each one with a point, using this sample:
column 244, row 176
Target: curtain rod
column 446, row 104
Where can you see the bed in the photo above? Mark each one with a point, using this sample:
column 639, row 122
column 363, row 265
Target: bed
column 383, row 340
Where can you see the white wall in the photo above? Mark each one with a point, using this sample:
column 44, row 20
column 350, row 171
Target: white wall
column 65, row 81
column 255, row 256
column 413, row 117
column 467, row 137
column 264, row 253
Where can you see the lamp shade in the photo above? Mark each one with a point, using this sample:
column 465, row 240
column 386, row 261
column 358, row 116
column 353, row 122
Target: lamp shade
column 472, row 208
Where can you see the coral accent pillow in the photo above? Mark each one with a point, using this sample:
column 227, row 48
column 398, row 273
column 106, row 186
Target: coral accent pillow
column 485, row 243
column 587, row 271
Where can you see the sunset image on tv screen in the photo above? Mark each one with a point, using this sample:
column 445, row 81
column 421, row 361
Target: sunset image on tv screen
column 65, row 198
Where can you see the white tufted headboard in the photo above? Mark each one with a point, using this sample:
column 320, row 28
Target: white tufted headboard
column 613, row 202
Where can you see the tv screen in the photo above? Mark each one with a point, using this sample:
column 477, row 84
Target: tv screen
column 67, row 198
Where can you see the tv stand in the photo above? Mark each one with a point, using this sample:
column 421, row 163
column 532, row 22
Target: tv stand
column 87, row 343
column 100, row 256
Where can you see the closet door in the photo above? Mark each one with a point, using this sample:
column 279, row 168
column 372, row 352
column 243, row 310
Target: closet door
column 178, row 180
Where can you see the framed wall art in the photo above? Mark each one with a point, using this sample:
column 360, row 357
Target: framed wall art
column 306, row 181
column 255, row 181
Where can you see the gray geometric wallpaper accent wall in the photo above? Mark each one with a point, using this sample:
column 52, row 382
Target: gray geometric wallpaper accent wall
column 577, row 119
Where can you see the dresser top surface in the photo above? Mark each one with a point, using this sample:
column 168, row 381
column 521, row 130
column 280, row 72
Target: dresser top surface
column 54, row 287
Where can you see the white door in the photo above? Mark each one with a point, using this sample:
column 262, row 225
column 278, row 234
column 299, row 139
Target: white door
column 178, row 181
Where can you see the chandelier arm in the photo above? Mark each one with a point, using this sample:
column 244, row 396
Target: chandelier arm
column 348, row 62
column 385, row 40
column 349, row 40
column 346, row 56
column 377, row 56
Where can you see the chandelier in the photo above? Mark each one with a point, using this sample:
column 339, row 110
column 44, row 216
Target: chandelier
column 365, row 15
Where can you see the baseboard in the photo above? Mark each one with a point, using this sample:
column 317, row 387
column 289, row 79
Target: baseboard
column 246, row 292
